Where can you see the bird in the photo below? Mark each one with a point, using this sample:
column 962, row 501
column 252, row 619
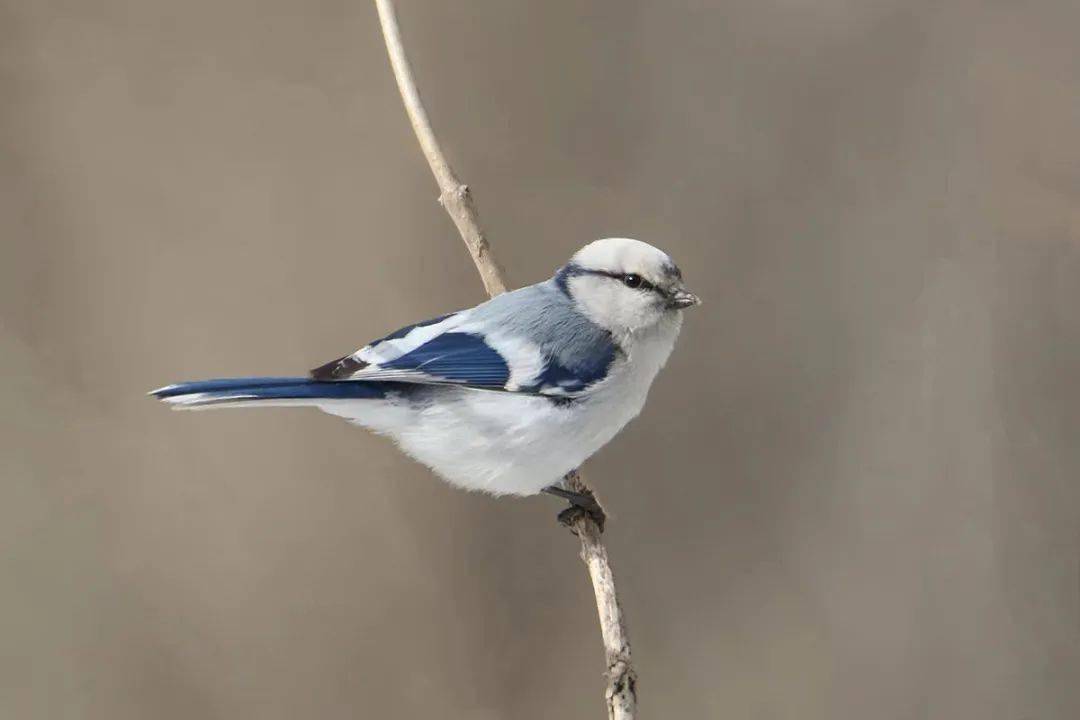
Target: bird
column 507, row 397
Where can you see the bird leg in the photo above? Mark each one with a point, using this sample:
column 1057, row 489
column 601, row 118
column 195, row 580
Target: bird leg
column 580, row 503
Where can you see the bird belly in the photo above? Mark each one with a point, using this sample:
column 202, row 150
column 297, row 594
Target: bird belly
column 505, row 444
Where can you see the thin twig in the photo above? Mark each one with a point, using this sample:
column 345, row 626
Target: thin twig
column 455, row 195
column 621, row 695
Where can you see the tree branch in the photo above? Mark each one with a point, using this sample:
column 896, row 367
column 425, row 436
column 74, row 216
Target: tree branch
column 454, row 195
column 621, row 694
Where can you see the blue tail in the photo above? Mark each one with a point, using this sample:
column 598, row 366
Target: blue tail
column 259, row 389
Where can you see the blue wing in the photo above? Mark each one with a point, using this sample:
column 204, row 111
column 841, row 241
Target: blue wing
column 453, row 357
column 430, row 353
column 457, row 350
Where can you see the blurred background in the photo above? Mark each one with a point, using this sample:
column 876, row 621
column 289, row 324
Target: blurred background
column 853, row 494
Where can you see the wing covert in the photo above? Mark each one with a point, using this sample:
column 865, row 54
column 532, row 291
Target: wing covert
column 434, row 352
column 527, row 341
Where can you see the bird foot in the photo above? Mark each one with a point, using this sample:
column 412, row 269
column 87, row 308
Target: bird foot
column 582, row 504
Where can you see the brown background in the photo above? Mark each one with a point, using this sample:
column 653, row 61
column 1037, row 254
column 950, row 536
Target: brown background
column 854, row 493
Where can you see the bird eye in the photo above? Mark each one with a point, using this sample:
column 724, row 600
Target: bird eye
column 632, row 281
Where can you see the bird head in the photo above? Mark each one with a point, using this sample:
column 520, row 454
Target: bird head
column 625, row 286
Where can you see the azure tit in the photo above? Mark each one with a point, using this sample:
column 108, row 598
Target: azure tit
column 511, row 395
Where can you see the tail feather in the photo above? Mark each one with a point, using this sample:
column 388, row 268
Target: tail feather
column 265, row 390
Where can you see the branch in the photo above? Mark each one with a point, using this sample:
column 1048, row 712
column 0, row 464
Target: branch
column 454, row 195
column 621, row 694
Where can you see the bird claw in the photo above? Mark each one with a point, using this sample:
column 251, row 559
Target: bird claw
column 582, row 504
column 570, row 516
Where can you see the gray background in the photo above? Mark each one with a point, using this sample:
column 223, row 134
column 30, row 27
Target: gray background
column 854, row 493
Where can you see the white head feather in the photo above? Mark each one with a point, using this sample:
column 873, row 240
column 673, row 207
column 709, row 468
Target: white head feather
column 627, row 286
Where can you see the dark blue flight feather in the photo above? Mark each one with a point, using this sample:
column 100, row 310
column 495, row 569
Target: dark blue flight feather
column 458, row 358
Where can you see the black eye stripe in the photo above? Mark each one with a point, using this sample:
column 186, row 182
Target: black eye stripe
column 641, row 283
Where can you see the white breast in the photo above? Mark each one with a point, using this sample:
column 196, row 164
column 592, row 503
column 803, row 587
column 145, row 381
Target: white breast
column 505, row 443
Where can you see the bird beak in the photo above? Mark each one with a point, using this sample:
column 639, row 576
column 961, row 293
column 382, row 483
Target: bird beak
column 683, row 299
